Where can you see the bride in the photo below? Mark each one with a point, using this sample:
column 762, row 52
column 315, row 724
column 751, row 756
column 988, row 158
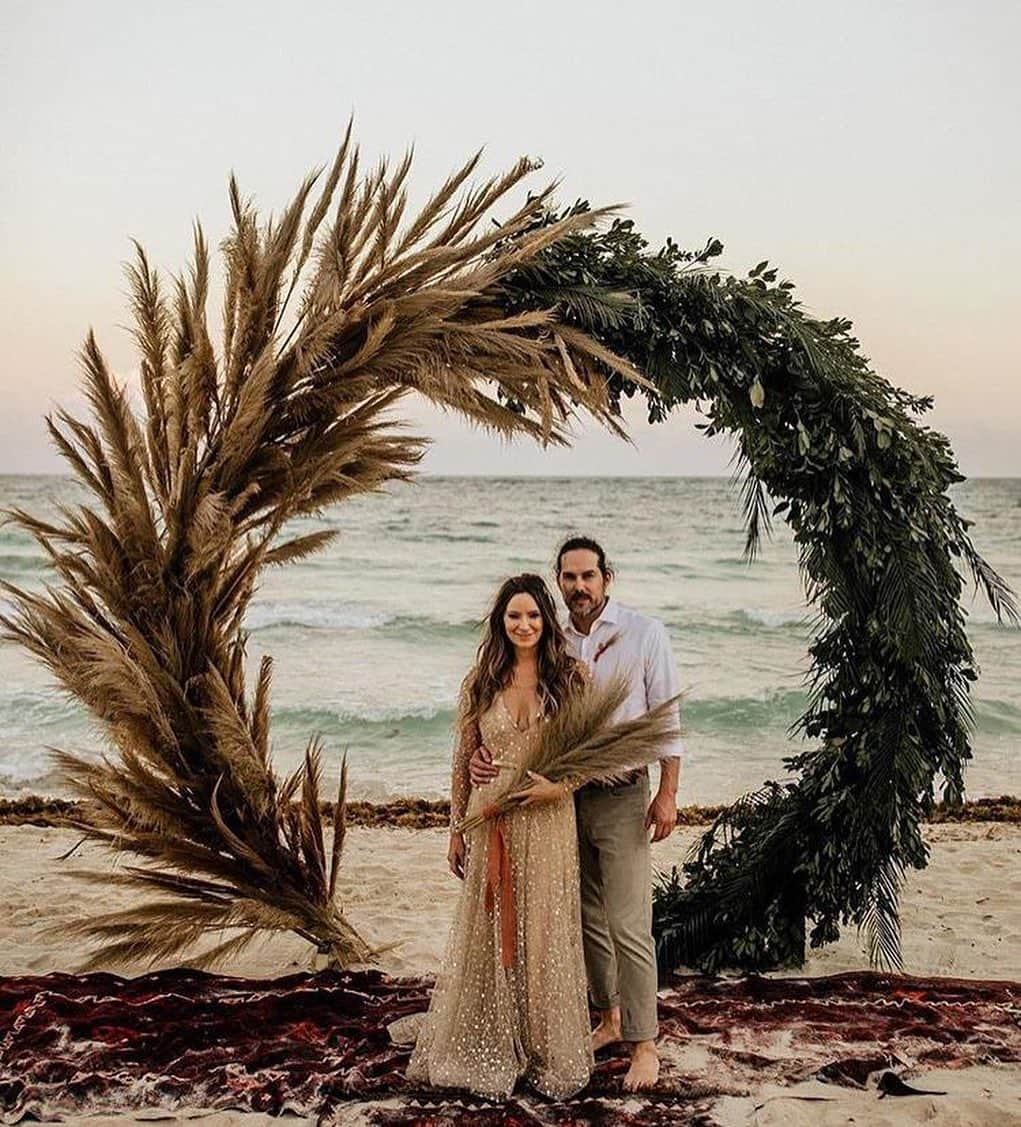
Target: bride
column 510, row 999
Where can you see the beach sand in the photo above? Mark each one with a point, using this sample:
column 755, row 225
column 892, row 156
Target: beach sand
column 961, row 918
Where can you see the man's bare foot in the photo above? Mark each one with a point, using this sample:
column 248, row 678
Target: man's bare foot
column 607, row 1032
column 644, row 1070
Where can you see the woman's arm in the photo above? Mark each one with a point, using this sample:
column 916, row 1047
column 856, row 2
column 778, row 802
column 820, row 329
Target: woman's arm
column 467, row 739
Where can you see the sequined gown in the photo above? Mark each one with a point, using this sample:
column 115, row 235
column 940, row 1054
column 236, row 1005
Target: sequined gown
column 489, row 1025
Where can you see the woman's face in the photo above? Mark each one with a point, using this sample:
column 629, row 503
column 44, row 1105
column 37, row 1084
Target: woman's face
column 522, row 620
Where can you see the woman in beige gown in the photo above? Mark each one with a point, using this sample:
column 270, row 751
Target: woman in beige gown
column 510, row 998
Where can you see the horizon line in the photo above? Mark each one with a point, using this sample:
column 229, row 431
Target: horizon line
column 542, row 477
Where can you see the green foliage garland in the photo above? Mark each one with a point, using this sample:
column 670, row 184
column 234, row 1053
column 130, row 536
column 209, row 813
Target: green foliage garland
column 837, row 450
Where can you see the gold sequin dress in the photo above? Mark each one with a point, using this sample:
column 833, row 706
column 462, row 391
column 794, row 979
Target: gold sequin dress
column 489, row 1024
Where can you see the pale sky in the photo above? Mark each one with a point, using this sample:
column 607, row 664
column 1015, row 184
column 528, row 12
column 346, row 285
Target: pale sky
column 868, row 149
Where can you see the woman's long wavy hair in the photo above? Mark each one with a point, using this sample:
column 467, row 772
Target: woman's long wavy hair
column 559, row 673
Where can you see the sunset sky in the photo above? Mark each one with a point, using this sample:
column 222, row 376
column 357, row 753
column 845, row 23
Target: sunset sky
column 869, row 150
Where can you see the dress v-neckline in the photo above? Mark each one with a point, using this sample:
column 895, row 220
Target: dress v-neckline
column 510, row 716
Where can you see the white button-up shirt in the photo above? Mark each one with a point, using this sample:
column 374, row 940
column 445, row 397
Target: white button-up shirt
column 622, row 641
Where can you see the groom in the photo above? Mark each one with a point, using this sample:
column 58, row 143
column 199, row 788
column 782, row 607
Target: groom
column 613, row 822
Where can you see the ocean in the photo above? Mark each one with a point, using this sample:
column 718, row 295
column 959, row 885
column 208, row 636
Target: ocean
column 371, row 638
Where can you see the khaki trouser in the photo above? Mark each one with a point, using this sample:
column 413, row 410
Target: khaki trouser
column 616, row 904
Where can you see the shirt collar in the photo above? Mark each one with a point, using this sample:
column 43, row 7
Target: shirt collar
column 609, row 615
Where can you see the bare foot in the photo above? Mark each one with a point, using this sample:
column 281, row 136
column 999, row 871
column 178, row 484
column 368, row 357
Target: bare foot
column 644, row 1070
column 605, row 1033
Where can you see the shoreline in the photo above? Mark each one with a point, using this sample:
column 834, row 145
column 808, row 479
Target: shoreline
column 423, row 813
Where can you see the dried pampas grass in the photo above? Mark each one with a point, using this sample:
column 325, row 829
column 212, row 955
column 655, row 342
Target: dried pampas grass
column 333, row 312
column 581, row 744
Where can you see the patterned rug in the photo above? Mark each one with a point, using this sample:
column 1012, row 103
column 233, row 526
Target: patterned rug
column 317, row 1045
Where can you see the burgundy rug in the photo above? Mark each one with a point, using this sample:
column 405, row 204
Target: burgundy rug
column 317, row 1045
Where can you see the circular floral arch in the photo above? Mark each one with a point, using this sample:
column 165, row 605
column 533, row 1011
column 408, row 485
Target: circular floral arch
column 332, row 312
column 841, row 454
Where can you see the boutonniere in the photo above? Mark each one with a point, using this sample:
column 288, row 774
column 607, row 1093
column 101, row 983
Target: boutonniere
column 605, row 646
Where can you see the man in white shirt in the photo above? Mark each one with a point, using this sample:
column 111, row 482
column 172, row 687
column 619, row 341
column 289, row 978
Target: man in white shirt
column 613, row 822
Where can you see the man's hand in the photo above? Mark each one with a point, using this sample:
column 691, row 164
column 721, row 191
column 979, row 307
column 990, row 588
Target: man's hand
column 662, row 815
column 480, row 766
column 455, row 855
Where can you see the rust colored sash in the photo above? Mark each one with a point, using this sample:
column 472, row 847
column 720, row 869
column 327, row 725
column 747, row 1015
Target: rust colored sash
column 500, row 879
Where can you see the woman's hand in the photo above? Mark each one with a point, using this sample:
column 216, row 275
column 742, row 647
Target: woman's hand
column 455, row 855
column 540, row 789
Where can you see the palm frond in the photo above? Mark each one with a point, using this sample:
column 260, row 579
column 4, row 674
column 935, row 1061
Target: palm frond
column 881, row 922
column 755, row 504
column 339, row 828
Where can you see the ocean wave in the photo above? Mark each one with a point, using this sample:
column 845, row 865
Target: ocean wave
column 774, row 619
column 338, row 616
column 418, row 626
column 779, row 707
column 671, row 567
column 707, row 715
column 997, row 717
column 27, row 709
column 314, row 616
column 333, row 719
column 21, row 563
column 29, row 771
column 448, row 538
column 745, row 621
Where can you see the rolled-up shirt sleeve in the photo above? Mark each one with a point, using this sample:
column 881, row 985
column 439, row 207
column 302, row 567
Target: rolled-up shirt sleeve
column 661, row 682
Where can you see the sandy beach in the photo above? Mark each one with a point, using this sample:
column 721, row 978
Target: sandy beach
column 961, row 919
column 961, row 915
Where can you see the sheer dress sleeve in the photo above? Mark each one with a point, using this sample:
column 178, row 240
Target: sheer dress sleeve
column 467, row 738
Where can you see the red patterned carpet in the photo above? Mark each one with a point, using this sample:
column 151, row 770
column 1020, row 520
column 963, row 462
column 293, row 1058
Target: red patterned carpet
column 317, row 1045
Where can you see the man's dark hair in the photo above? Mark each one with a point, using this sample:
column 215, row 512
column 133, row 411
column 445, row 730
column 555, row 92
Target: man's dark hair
column 584, row 544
